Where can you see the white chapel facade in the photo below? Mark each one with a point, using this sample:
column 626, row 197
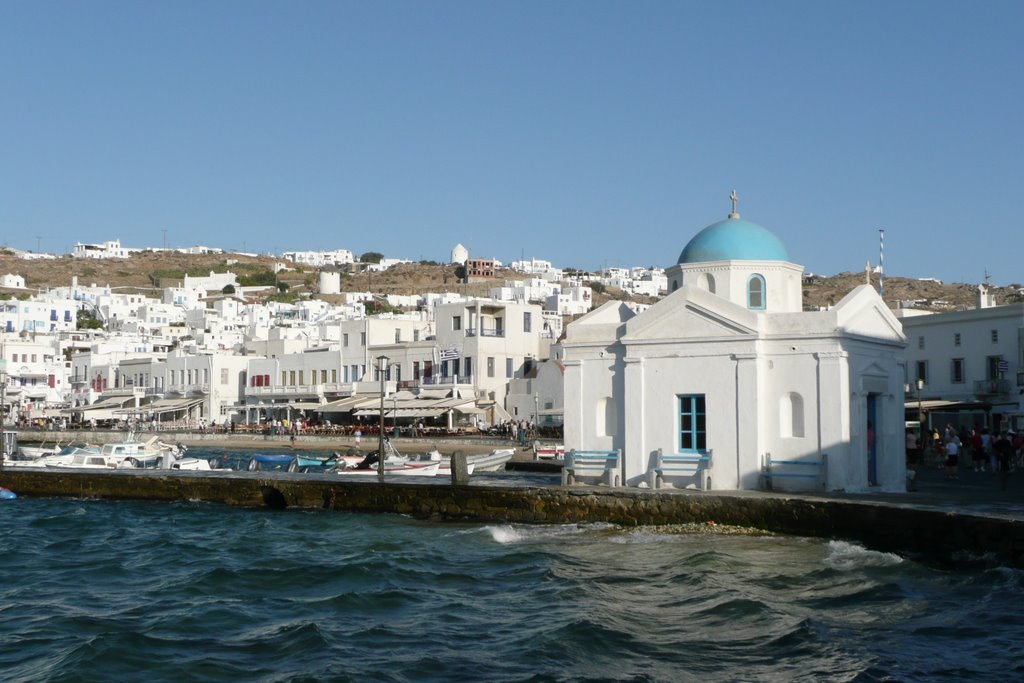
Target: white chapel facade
column 729, row 365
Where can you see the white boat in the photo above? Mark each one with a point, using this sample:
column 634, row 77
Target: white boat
column 407, row 468
column 127, row 454
column 55, row 459
column 190, row 464
column 491, row 462
column 394, row 463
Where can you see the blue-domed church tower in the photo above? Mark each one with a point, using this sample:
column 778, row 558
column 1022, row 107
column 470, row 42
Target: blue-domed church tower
column 742, row 262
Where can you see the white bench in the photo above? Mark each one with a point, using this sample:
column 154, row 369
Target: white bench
column 605, row 465
column 681, row 464
column 807, row 472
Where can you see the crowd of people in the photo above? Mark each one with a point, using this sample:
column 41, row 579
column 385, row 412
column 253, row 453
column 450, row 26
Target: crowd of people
column 981, row 449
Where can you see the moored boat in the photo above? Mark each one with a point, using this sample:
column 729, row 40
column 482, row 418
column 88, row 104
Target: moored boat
column 266, row 462
column 491, row 462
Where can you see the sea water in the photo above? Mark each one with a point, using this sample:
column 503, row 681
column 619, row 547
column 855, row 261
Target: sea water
column 139, row 591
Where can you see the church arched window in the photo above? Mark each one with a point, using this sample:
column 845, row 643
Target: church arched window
column 791, row 415
column 707, row 282
column 755, row 292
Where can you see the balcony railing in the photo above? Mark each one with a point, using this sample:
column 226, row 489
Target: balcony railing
column 456, row 379
column 486, row 332
column 991, row 387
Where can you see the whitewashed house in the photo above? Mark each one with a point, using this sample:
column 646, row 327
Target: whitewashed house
column 729, row 366
column 12, row 281
column 974, row 358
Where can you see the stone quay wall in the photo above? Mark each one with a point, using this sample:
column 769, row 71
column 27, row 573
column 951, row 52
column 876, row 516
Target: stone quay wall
column 928, row 534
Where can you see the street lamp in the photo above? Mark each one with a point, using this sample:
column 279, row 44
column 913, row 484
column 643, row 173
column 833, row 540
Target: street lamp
column 920, row 414
column 3, row 418
column 536, row 414
column 382, row 368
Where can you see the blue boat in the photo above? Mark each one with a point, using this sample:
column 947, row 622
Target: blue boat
column 7, row 494
column 270, row 462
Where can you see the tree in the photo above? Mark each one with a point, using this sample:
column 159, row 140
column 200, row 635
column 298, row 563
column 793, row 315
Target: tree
column 87, row 321
column 372, row 257
column 228, row 289
column 283, row 287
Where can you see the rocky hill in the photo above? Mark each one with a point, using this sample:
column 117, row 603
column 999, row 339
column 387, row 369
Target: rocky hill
column 147, row 272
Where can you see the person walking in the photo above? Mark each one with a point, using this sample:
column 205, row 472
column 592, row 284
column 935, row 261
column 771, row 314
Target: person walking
column 1003, row 449
column 952, row 454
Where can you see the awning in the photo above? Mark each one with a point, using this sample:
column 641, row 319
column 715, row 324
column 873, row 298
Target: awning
column 344, row 405
column 302, row 405
column 105, row 404
column 402, row 412
column 163, row 405
column 470, row 410
column 935, row 404
column 103, row 410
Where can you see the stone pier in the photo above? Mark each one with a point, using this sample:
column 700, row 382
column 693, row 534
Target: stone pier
column 929, row 534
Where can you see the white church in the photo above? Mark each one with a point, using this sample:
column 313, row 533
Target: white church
column 731, row 372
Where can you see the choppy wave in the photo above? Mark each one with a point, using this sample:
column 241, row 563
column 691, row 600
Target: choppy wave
column 95, row 590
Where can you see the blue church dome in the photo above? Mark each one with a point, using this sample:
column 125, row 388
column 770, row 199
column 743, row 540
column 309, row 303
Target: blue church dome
column 734, row 239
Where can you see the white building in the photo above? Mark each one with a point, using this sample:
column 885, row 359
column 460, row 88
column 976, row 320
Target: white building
column 108, row 249
column 574, row 300
column 319, row 259
column 12, row 281
column 483, row 343
column 974, row 358
column 729, row 366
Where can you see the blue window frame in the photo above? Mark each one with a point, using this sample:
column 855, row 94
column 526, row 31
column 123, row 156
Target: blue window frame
column 692, row 423
column 755, row 292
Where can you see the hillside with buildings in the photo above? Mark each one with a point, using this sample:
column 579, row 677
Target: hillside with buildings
column 150, row 271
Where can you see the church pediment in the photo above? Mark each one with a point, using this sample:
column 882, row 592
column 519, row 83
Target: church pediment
column 693, row 314
column 862, row 312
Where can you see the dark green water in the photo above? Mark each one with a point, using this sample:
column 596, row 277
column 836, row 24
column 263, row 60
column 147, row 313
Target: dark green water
column 128, row 591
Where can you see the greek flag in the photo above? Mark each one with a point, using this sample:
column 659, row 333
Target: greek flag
column 449, row 354
column 1004, row 366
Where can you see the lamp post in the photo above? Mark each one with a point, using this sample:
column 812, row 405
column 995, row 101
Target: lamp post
column 920, row 414
column 3, row 418
column 382, row 368
column 536, row 415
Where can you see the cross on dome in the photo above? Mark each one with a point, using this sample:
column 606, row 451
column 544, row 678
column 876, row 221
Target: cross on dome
column 733, row 214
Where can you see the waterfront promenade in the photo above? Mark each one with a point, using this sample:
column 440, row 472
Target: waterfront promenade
column 964, row 519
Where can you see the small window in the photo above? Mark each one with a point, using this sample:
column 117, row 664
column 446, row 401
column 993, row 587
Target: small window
column 995, row 336
column 920, row 342
column 527, row 321
column 755, row 293
column 922, row 371
column 456, row 322
column 791, row 415
column 398, row 335
column 958, row 371
column 692, row 423
column 956, row 339
column 508, row 368
column 344, row 339
column 490, row 366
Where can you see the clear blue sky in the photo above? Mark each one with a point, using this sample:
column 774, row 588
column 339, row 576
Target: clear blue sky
column 586, row 133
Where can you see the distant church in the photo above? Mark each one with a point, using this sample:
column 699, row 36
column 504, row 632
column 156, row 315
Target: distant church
column 728, row 364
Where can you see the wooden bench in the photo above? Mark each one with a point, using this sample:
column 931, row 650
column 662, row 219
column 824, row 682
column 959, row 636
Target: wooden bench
column 682, row 464
column 605, row 465
column 813, row 472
